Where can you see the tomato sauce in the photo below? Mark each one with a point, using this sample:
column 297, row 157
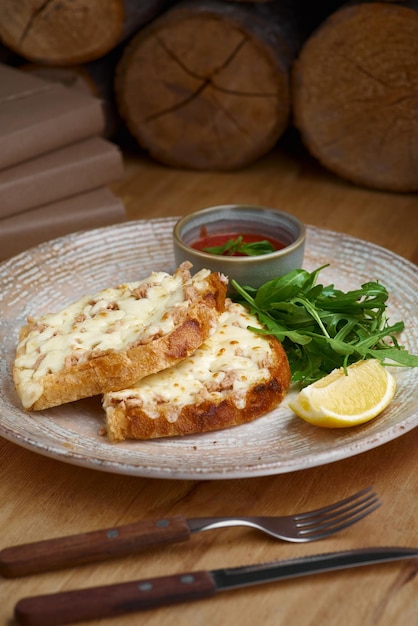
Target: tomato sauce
column 220, row 239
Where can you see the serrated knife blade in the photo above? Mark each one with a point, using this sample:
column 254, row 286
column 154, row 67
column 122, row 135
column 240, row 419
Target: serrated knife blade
column 111, row 600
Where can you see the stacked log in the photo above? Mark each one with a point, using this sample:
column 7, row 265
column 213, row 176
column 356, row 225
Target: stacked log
column 206, row 85
column 214, row 84
column 70, row 32
column 355, row 94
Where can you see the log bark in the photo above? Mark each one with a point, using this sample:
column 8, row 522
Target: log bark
column 71, row 32
column 354, row 92
column 206, row 85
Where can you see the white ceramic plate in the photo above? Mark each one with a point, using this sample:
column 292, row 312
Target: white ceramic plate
column 54, row 274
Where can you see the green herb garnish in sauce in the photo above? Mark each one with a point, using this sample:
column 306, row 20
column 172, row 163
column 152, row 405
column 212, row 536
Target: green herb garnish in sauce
column 238, row 246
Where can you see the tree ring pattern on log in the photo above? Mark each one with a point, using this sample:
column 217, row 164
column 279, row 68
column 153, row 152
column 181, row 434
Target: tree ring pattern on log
column 60, row 32
column 355, row 95
column 199, row 90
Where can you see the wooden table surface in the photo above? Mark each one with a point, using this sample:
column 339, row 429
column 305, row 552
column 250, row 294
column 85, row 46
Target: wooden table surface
column 42, row 498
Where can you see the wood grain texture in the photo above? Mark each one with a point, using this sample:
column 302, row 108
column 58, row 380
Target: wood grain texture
column 99, row 545
column 69, row 32
column 112, row 600
column 354, row 94
column 206, row 85
column 44, row 498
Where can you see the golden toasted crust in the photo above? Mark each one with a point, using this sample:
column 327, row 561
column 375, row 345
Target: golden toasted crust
column 112, row 370
column 126, row 420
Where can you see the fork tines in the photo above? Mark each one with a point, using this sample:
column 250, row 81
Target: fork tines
column 330, row 519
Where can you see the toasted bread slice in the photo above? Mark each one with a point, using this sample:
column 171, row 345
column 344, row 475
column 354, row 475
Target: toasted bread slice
column 112, row 339
column 234, row 377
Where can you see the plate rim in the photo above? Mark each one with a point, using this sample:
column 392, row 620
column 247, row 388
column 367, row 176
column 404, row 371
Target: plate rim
column 262, row 469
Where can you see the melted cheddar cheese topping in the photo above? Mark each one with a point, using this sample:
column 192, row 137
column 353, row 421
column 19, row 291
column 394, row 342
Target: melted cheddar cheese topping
column 112, row 319
column 232, row 360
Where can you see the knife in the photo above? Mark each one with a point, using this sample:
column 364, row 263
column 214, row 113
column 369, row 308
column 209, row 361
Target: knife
column 69, row 607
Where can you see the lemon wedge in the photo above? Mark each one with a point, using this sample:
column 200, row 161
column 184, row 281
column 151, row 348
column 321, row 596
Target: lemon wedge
column 343, row 399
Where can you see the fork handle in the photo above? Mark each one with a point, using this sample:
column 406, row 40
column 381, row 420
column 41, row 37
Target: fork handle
column 98, row 545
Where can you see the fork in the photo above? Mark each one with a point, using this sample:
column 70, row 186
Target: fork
column 100, row 545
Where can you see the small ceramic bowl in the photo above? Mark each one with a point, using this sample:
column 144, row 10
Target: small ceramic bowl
column 241, row 219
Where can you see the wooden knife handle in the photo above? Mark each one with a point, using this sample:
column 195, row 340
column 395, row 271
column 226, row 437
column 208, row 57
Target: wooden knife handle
column 69, row 607
column 99, row 545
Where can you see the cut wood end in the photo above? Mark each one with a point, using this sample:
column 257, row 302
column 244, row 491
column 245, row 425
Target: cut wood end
column 199, row 91
column 354, row 90
column 62, row 33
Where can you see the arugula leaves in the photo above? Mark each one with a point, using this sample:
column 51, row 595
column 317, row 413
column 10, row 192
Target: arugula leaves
column 322, row 328
column 238, row 246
